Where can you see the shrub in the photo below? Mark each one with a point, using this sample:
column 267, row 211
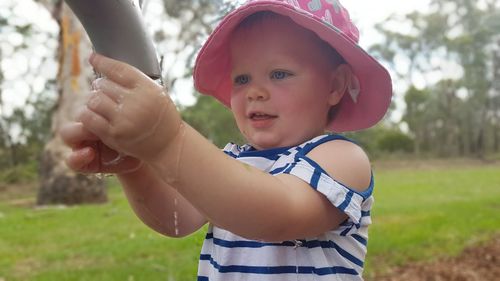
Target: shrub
column 395, row 141
column 26, row 172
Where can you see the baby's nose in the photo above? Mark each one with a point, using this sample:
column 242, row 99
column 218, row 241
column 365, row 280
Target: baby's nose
column 257, row 93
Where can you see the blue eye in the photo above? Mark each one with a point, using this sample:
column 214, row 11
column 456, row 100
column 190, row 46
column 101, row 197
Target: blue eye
column 279, row 74
column 241, row 79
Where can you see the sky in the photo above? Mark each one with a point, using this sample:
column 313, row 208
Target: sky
column 15, row 63
column 365, row 13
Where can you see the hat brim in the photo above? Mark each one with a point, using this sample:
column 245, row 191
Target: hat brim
column 212, row 69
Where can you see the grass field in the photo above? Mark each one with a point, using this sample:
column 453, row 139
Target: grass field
column 432, row 212
column 420, row 214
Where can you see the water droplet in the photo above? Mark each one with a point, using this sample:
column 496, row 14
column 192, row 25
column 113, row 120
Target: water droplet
column 296, row 247
column 119, row 107
column 119, row 158
column 176, row 218
column 102, row 176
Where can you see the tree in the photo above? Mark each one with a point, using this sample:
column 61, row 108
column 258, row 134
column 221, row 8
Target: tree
column 58, row 184
column 212, row 120
column 463, row 34
column 394, row 141
column 416, row 106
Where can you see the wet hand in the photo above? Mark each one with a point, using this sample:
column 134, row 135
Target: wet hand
column 128, row 111
column 89, row 155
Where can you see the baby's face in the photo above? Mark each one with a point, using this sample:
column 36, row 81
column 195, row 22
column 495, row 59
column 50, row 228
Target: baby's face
column 282, row 85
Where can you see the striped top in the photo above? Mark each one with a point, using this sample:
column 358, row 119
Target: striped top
column 335, row 255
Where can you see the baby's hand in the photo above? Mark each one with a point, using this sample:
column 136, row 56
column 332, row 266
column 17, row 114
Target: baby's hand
column 128, row 111
column 89, row 155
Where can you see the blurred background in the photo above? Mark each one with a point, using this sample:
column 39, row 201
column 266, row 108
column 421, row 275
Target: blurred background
column 436, row 155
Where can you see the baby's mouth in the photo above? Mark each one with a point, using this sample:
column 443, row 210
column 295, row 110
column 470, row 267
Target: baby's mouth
column 260, row 116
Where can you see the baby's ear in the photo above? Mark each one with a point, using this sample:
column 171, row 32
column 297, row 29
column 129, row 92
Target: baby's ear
column 341, row 78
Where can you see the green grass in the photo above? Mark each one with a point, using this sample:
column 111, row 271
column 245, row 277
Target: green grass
column 419, row 214
column 425, row 214
column 93, row 242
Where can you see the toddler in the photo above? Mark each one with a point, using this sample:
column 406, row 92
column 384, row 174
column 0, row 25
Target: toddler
column 291, row 204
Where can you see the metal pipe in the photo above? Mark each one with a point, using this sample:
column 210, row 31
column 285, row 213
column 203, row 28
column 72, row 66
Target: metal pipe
column 116, row 29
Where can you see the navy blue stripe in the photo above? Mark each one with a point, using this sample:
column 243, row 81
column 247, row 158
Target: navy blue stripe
column 344, row 233
column 290, row 168
column 279, row 269
column 247, row 244
column 309, row 244
column 365, row 213
column 231, row 154
column 279, row 170
column 268, row 157
column 244, row 244
column 347, row 200
column 360, row 239
column 202, row 278
column 310, row 146
column 333, row 245
column 272, row 154
column 369, row 190
column 316, row 173
column 365, row 194
column 315, row 179
column 205, row 257
column 312, row 163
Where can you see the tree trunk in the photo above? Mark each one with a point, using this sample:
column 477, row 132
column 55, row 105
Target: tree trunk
column 58, row 184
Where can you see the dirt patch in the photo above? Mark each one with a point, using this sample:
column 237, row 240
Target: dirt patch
column 21, row 195
column 479, row 263
column 23, row 269
column 17, row 191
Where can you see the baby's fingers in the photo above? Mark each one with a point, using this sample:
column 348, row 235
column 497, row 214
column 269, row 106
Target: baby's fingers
column 98, row 158
column 121, row 73
column 80, row 160
column 94, row 123
column 103, row 105
column 75, row 135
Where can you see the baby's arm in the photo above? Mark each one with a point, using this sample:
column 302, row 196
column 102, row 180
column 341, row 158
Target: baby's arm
column 156, row 203
column 159, row 205
column 252, row 203
column 130, row 114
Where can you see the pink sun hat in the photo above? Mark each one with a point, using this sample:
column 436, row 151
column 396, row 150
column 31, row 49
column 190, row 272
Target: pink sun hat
column 370, row 91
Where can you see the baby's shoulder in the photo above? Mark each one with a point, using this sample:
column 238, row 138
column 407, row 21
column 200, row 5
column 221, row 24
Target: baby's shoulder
column 344, row 161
